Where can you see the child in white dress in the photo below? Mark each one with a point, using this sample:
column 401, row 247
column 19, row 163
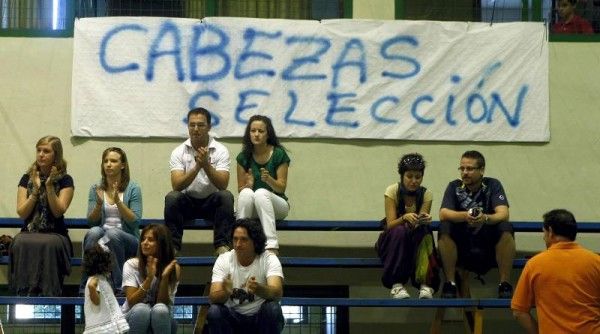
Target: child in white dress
column 102, row 311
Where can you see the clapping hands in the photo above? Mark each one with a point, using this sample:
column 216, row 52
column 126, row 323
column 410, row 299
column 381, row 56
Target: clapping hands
column 252, row 285
column 114, row 194
column 49, row 181
column 201, row 157
column 52, row 177
column 37, row 183
column 99, row 196
column 172, row 266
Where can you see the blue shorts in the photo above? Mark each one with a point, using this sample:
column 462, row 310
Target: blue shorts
column 485, row 239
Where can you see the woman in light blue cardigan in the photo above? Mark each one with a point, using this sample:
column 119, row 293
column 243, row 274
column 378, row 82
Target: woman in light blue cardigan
column 114, row 213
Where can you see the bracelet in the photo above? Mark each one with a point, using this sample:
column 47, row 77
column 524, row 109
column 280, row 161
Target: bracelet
column 142, row 288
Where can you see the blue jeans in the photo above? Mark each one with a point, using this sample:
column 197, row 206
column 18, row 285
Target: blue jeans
column 223, row 320
column 143, row 318
column 122, row 245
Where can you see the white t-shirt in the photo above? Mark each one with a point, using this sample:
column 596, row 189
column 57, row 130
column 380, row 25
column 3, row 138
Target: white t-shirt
column 131, row 277
column 265, row 265
column 182, row 158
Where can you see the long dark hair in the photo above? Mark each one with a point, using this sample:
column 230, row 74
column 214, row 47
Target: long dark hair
column 164, row 246
column 410, row 162
column 255, row 232
column 124, row 173
column 248, row 147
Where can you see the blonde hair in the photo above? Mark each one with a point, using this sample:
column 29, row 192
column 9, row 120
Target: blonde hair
column 59, row 161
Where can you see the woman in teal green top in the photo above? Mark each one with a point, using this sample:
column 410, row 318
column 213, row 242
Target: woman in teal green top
column 262, row 170
column 114, row 213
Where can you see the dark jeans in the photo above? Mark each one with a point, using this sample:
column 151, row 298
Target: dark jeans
column 217, row 207
column 268, row 320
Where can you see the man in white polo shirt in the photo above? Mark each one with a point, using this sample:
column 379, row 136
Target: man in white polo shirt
column 199, row 178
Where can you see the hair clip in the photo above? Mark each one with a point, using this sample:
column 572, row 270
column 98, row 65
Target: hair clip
column 412, row 160
column 102, row 243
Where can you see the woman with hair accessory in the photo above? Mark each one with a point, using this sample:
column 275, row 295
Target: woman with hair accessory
column 41, row 253
column 102, row 311
column 150, row 282
column 262, row 170
column 114, row 212
column 406, row 245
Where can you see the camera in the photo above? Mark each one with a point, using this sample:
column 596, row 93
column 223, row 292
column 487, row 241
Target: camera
column 241, row 295
column 474, row 212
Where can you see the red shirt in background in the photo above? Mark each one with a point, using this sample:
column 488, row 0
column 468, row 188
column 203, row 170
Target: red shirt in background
column 577, row 25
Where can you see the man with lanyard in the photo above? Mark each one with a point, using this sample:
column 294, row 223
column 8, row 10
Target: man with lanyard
column 199, row 178
column 474, row 228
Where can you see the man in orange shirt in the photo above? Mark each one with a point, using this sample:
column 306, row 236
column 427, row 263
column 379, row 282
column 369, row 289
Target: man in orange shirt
column 563, row 282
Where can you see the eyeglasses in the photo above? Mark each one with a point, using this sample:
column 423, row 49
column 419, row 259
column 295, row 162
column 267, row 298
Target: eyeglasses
column 467, row 169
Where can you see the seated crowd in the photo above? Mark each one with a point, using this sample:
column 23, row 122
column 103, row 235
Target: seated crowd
column 475, row 235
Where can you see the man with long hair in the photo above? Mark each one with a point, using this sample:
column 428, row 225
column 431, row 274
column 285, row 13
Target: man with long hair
column 247, row 283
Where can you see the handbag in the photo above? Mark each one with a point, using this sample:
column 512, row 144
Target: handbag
column 5, row 242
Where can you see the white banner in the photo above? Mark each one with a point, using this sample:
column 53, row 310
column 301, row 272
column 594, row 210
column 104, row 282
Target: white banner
column 418, row 80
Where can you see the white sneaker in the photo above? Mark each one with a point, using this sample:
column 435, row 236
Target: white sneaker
column 425, row 292
column 399, row 292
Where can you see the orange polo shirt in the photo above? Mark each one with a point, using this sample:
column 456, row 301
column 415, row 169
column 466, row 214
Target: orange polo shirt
column 563, row 283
